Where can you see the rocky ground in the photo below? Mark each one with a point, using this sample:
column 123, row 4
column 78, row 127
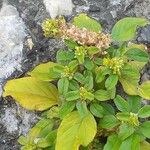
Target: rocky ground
column 22, row 46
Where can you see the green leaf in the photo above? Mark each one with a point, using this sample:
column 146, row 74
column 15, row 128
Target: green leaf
column 111, row 81
column 63, row 85
column 102, row 72
column 113, row 143
column 108, row 122
column 71, row 44
column 88, row 64
column 123, row 116
column 129, row 79
column 82, row 108
column 125, row 130
column 40, row 129
column 22, row 140
column 121, row 103
column 83, row 21
column 97, row 110
column 49, row 140
column 89, row 96
column 134, row 103
column 144, row 112
column 73, row 95
column 108, row 109
column 131, row 143
column 64, row 56
column 125, row 29
column 42, row 72
column 145, row 129
column 137, row 54
column 112, row 93
column 102, row 95
column 89, row 82
column 31, row 93
column 66, row 109
column 73, row 85
column 75, row 131
column 145, row 146
column 144, row 90
column 79, row 77
column 73, row 65
column 93, row 50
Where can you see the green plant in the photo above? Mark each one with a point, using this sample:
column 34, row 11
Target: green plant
column 80, row 113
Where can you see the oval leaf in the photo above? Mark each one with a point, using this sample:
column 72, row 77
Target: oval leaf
column 125, row 29
column 42, row 72
column 144, row 111
column 137, row 54
column 83, row 21
column 111, row 81
column 75, row 131
column 144, row 90
column 31, row 93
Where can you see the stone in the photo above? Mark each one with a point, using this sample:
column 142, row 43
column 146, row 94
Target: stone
column 58, row 7
column 12, row 35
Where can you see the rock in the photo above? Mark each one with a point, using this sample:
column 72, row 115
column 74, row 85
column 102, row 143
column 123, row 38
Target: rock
column 94, row 8
column 12, row 35
column 58, row 7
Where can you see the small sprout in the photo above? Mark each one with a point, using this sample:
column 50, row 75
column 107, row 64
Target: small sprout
column 133, row 119
column 83, row 92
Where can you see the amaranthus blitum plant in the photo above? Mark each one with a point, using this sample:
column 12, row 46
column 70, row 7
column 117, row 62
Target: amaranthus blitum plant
column 83, row 108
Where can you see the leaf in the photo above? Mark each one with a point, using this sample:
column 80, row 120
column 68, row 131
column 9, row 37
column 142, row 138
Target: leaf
column 108, row 109
column 66, row 109
column 89, row 82
column 97, row 110
column 63, row 85
column 79, row 77
column 82, row 108
column 42, row 72
column 134, row 103
column 83, row 21
column 32, row 93
column 144, row 90
column 123, row 116
column 137, row 54
column 131, row 143
column 92, row 50
column 129, row 79
column 75, row 131
column 113, row 143
column 145, row 146
column 100, row 75
column 121, row 104
column 125, row 29
column 145, row 129
column 49, row 140
column 108, row 122
column 125, row 130
column 73, row 85
column 102, row 95
column 72, row 95
column 64, row 56
column 111, row 81
column 88, row 64
column 71, row 44
column 39, row 129
column 144, row 112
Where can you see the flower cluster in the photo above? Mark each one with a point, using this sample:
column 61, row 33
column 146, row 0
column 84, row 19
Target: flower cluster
column 58, row 27
column 85, row 37
column 115, row 64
